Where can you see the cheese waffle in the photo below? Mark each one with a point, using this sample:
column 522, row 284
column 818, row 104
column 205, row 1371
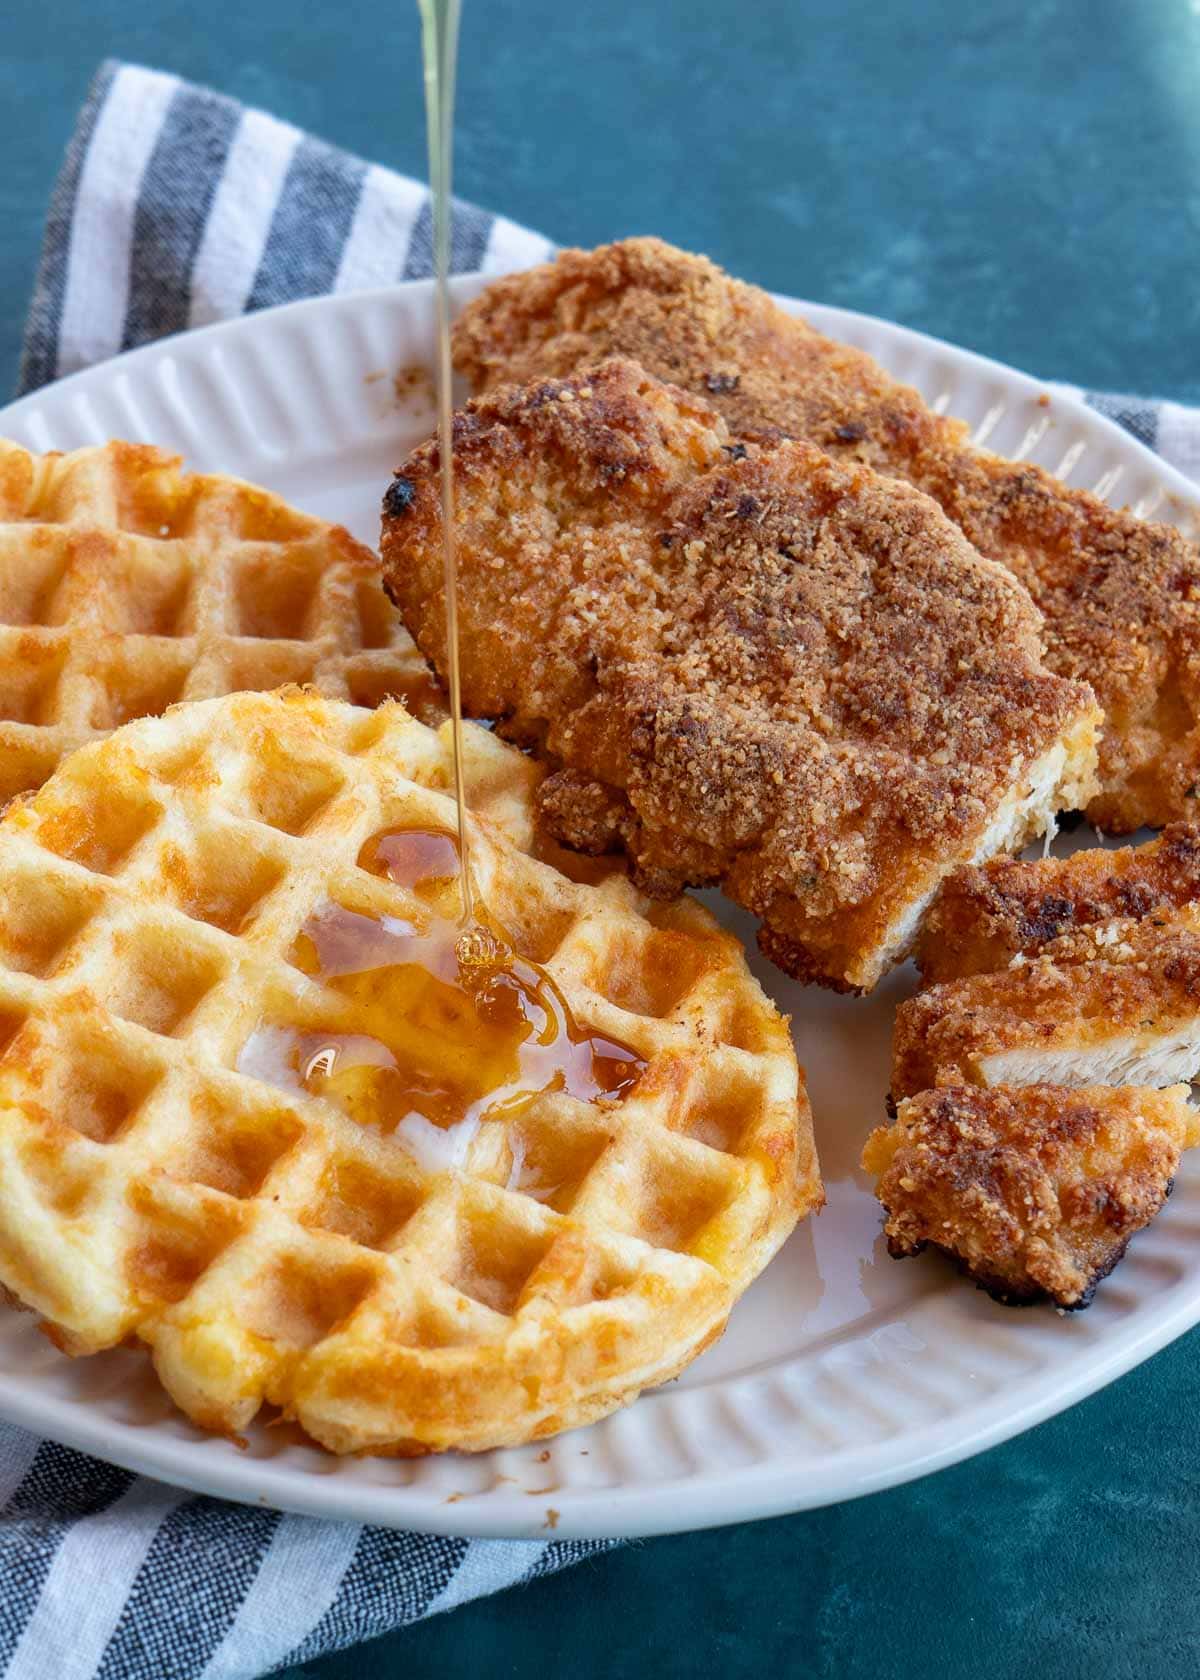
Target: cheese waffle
column 165, row 1179
column 126, row 584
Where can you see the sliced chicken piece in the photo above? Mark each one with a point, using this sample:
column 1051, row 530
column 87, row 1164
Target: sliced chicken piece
column 986, row 915
column 1037, row 1191
column 1114, row 1004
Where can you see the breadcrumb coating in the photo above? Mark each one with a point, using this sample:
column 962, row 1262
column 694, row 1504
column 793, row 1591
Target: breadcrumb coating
column 985, row 915
column 747, row 664
column 1122, row 987
column 1121, row 596
column 1036, row 1192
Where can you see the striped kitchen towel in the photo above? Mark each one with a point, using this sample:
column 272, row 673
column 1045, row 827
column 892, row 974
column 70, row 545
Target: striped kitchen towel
column 178, row 207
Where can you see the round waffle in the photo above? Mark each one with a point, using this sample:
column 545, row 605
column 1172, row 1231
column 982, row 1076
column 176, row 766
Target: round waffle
column 265, row 1245
column 126, row 584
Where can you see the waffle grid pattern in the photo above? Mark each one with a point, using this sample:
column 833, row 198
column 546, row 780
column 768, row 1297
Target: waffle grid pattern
column 265, row 1245
column 126, row 585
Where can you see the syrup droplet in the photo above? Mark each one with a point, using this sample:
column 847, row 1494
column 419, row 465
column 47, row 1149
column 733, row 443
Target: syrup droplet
column 412, row 857
column 480, row 951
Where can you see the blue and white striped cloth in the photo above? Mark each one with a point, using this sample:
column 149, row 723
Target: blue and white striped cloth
column 177, row 207
column 106, row 1574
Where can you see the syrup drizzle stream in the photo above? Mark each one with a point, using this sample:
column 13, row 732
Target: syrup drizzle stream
column 437, row 1023
column 439, row 38
column 441, row 1025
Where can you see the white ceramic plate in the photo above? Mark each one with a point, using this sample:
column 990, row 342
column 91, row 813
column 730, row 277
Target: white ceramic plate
column 842, row 1371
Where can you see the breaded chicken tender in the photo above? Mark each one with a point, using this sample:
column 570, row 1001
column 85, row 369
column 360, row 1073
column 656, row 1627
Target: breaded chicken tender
column 747, row 664
column 1121, row 597
column 1114, row 1003
column 1036, row 1192
column 984, row 916
column 1027, row 1142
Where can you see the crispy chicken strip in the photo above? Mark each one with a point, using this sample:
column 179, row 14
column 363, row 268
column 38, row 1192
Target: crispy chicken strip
column 1121, row 597
column 1116, row 1003
column 984, row 916
column 749, row 665
column 1036, row 1192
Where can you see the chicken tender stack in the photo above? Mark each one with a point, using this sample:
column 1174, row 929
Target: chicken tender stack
column 1121, row 596
column 745, row 664
column 1031, row 1138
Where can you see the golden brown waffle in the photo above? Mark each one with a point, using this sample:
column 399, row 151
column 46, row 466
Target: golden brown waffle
column 266, row 1246
column 126, row 584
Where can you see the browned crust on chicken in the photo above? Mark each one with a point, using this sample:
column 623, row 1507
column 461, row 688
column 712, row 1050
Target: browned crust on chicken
column 1036, row 1192
column 752, row 666
column 1086, row 990
column 1121, row 596
column 985, row 915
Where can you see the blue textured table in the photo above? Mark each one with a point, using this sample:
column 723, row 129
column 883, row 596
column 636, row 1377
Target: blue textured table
column 1023, row 178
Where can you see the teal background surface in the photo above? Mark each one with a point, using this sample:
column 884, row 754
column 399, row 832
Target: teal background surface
column 1022, row 178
